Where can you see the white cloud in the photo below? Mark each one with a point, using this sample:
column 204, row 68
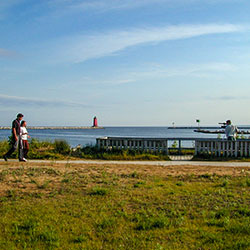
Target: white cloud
column 157, row 71
column 81, row 48
column 227, row 98
column 196, row 70
column 30, row 102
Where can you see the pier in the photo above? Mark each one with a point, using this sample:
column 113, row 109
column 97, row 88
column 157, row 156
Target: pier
column 204, row 127
column 201, row 146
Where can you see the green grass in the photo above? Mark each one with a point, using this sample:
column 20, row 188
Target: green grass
column 60, row 150
column 90, row 152
column 210, row 157
column 100, row 208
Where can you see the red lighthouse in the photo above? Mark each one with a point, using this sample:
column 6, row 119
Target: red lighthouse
column 95, row 122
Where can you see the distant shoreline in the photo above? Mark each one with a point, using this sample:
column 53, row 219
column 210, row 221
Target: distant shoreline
column 54, row 127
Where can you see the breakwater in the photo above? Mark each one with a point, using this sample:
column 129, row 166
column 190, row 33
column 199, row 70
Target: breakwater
column 54, row 127
column 205, row 127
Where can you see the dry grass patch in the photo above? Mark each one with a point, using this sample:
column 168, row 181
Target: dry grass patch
column 48, row 177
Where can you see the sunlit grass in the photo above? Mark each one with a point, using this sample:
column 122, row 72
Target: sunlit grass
column 97, row 207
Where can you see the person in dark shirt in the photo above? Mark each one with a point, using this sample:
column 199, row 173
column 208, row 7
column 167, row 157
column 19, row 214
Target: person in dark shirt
column 16, row 142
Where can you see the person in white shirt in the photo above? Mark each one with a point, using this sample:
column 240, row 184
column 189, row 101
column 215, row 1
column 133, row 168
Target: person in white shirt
column 231, row 131
column 24, row 138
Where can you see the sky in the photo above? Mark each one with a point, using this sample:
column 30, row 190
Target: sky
column 128, row 62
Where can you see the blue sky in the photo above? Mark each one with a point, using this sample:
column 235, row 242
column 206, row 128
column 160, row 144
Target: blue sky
column 128, row 62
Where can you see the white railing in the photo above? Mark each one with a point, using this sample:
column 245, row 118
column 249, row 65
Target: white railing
column 143, row 144
column 202, row 146
column 223, row 148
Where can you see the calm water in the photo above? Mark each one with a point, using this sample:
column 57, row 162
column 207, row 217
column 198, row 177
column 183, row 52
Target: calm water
column 88, row 136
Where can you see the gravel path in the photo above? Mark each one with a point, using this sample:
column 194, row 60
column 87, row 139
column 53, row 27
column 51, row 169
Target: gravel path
column 149, row 163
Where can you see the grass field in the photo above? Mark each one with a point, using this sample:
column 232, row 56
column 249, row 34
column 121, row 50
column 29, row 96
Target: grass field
column 69, row 206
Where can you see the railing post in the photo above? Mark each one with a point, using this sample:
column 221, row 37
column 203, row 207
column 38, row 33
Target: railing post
column 236, row 149
column 166, row 147
column 150, row 146
column 108, row 144
column 130, row 144
column 241, row 148
column 154, row 146
column 145, row 145
column 196, row 147
column 203, row 149
column 98, row 142
column 126, row 144
column 211, row 147
column 137, row 144
column 219, row 148
column 231, row 148
column 179, row 150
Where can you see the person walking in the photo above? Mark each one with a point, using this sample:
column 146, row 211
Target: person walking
column 231, row 131
column 16, row 142
column 24, row 138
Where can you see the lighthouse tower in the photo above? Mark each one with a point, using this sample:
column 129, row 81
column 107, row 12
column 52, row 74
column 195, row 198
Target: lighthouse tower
column 95, row 122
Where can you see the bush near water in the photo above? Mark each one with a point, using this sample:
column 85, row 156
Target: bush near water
column 60, row 149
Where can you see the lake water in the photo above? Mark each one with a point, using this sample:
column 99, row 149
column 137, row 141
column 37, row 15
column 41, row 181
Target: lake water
column 88, row 136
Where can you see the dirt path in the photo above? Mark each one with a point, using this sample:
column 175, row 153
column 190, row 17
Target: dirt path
column 162, row 168
column 148, row 163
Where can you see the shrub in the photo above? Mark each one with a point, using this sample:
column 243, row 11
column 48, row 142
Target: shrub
column 4, row 147
column 42, row 150
column 93, row 152
column 61, row 147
